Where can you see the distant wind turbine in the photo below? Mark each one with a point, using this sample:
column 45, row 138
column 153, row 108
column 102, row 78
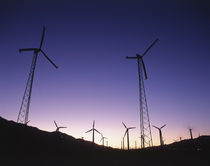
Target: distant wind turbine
column 127, row 132
column 123, row 143
column 93, row 129
column 191, row 136
column 57, row 128
column 103, row 138
column 160, row 132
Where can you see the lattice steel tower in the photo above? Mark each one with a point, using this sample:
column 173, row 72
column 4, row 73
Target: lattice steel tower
column 25, row 105
column 145, row 129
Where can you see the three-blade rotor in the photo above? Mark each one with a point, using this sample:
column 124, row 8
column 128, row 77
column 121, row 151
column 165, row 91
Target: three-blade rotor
column 127, row 129
column 140, row 57
column 61, row 127
column 93, row 129
column 37, row 50
column 159, row 128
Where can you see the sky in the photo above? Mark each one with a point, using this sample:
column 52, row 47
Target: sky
column 89, row 41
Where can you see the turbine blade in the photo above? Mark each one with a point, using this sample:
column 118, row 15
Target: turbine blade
column 144, row 68
column 125, row 133
column 155, row 127
column 124, row 125
column 55, row 124
column 93, row 124
column 97, row 131
column 131, row 57
column 131, row 127
column 88, row 131
column 49, row 59
column 62, row 127
column 163, row 126
column 28, row 49
column 149, row 47
column 43, row 33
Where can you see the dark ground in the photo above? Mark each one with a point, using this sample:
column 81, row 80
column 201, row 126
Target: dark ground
column 28, row 146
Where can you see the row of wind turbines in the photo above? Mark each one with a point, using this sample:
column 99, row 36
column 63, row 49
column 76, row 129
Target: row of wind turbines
column 127, row 133
column 160, row 136
column 93, row 129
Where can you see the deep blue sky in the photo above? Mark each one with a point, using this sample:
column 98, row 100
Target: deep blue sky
column 89, row 41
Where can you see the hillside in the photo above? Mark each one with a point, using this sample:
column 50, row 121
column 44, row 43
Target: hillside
column 26, row 145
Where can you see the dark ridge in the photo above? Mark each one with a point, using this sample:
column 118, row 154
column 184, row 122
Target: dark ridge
column 18, row 139
column 29, row 146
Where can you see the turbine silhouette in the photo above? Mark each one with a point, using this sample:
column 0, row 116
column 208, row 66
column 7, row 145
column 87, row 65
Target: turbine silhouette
column 127, row 132
column 57, row 127
column 93, row 129
column 190, row 130
column 160, row 133
column 145, row 129
column 25, row 105
column 102, row 139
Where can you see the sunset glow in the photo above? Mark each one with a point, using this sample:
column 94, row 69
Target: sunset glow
column 89, row 41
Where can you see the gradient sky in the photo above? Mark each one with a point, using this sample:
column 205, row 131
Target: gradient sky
column 89, row 41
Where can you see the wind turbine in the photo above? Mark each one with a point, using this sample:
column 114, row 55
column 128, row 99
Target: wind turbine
column 103, row 138
column 57, row 128
column 123, row 143
column 24, row 109
column 160, row 133
column 191, row 136
column 127, row 132
column 145, row 129
column 93, row 129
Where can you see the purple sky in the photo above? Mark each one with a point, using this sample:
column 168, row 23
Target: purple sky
column 89, row 42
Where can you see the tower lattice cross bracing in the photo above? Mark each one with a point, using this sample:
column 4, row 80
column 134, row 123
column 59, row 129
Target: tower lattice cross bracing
column 145, row 129
column 25, row 105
